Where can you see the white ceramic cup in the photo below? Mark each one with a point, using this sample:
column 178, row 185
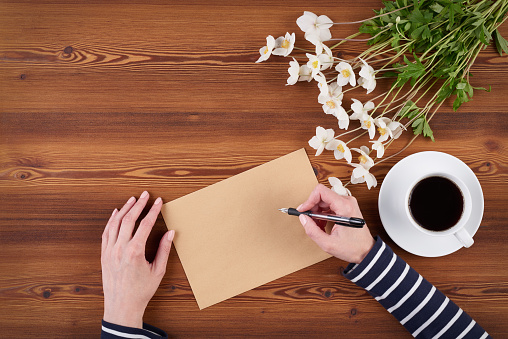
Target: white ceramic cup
column 458, row 229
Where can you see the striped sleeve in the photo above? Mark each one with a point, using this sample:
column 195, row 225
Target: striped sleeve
column 421, row 308
column 113, row 331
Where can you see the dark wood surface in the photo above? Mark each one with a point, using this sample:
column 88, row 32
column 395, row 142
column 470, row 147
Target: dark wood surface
column 102, row 100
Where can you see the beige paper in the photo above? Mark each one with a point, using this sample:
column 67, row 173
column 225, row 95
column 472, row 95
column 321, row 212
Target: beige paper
column 230, row 236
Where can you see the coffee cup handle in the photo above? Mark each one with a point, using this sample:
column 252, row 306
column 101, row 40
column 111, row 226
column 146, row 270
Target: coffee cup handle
column 464, row 237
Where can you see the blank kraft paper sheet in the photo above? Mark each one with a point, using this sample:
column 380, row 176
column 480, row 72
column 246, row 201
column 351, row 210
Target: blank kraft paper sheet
column 230, row 236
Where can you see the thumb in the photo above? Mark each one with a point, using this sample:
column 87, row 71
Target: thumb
column 161, row 258
column 315, row 232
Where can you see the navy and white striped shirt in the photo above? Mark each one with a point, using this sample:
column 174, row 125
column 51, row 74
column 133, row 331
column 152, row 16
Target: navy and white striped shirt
column 113, row 331
column 422, row 309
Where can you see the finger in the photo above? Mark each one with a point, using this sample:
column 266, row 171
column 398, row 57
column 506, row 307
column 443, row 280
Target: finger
column 114, row 225
column 146, row 225
column 129, row 220
column 105, row 234
column 161, row 258
column 313, row 200
column 325, row 198
column 322, row 239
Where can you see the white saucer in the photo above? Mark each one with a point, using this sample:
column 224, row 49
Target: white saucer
column 392, row 202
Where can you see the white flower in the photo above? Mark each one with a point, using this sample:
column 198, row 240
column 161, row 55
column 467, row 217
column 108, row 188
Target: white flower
column 367, row 77
column 368, row 124
column 340, row 150
column 314, row 39
column 305, row 73
column 337, row 186
column 359, row 109
column 346, row 74
column 326, row 58
column 321, row 138
column 398, row 130
column 361, row 174
column 388, row 128
column 284, row 45
column 322, row 84
column 365, row 160
column 314, row 25
column 379, row 147
column 314, row 64
column 293, row 70
column 343, row 118
column 331, row 100
column 266, row 51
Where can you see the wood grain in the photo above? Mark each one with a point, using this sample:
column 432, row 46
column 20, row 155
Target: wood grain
column 102, row 100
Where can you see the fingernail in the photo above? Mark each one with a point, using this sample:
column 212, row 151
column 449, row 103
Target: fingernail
column 158, row 201
column 302, row 218
column 298, row 208
column 144, row 195
column 171, row 235
column 115, row 211
column 131, row 200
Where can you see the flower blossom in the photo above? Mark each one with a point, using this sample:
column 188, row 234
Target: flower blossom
column 364, row 158
column 337, row 186
column 379, row 147
column 359, row 109
column 294, row 72
column 326, row 59
column 332, row 99
column 367, row 77
column 388, row 128
column 317, row 26
column 320, row 46
column 340, row 150
column 266, row 51
column 321, row 138
column 314, row 64
column 361, row 172
column 342, row 117
column 322, row 83
column 346, row 74
column 368, row 124
column 305, row 73
column 284, row 45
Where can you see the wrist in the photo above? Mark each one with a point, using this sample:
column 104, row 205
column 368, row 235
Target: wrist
column 365, row 250
column 124, row 316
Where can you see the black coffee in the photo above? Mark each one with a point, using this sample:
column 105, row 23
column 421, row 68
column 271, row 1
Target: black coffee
column 436, row 203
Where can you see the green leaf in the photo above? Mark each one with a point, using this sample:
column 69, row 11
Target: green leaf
column 436, row 7
column 484, row 89
column 446, row 89
column 501, row 43
column 413, row 71
column 427, row 131
column 456, row 104
column 418, row 125
column 426, row 33
column 487, row 34
column 417, row 32
column 469, row 89
column 405, row 111
column 390, row 74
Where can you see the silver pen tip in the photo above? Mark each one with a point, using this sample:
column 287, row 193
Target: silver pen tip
column 283, row 210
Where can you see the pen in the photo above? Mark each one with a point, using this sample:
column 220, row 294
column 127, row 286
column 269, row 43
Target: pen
column 344, row 221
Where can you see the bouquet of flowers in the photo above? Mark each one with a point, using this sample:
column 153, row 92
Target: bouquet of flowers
column 426, row 47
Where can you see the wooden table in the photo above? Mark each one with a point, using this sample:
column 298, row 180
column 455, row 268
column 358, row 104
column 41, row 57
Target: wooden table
column 100, row 101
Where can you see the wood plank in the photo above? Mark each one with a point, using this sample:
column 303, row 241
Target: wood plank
column 102, row 100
